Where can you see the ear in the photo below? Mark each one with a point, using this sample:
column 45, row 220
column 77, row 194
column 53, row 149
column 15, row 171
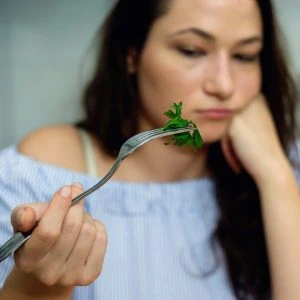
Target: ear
column 131, row 61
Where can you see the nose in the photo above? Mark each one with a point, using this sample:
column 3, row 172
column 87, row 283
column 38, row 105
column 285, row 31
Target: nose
column 218, row 81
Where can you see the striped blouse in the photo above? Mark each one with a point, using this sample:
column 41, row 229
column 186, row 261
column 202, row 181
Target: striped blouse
column 159, row 233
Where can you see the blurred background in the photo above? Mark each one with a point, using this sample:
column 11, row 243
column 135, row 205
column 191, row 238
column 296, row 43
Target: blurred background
column 46, row 54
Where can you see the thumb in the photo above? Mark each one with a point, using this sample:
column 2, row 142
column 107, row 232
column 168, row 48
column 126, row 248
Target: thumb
column 25, row 216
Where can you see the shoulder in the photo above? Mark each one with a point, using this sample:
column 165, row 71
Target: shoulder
column 59, row 145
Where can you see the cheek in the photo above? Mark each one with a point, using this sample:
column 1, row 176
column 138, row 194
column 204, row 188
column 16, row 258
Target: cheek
column 161, row 82
column 247, row 88
column 155, row 89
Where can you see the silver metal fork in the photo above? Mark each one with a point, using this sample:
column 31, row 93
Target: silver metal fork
column 130, row 146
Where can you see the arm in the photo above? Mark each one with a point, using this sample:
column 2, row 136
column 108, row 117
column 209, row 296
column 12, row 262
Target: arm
column 280, row 204
column 256, row 145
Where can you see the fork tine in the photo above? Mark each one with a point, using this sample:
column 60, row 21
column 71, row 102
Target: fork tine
column 158, row 132
column 147, row 133
column 139, row 140
column 154, row 132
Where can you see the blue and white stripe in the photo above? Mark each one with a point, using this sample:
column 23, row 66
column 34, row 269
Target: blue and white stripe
column 159, row 233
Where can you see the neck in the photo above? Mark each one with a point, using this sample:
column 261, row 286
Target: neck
column 156, row 161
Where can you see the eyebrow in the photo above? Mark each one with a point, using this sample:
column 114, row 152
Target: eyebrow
column 209, row 37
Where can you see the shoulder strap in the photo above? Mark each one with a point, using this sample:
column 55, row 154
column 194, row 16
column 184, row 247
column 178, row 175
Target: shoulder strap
column 89, row 154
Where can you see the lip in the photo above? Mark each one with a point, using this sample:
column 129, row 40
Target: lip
column 216, row 113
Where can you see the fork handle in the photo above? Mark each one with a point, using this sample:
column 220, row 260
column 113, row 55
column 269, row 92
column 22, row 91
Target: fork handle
column 110, row 173
column 14, row 243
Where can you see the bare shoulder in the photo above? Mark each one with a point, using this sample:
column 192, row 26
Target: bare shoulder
column 59, row 145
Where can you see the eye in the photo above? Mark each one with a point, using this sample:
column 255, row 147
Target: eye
column 191, row 52
column 247, row 58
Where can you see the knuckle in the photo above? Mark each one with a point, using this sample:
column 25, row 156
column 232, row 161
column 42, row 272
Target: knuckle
column 86, row 280
column 90, row 276
column 102, row 238
column 71, row 226
column 100, row 226
column 46, row 235
column 88, row 230
column 87, row 217
column 67, row 281
column 97, row 272
column 101, row 233
column 25, row 265
column 48, row 278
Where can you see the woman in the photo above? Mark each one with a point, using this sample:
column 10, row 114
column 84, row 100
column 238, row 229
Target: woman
column 220, row 222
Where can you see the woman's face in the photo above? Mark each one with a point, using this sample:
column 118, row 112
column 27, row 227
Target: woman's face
column 204, row 53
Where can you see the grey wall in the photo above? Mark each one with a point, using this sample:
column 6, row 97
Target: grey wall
column 288, row 12
column 5, row 82
column 43, row 44
column 44, row 53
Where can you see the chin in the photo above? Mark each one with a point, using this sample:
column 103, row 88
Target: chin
column 212, row 134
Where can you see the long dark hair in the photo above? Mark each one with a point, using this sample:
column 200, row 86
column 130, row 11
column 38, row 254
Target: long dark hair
column 111, row 105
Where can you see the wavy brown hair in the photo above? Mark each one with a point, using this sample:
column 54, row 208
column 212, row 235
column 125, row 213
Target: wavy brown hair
column 111, row 105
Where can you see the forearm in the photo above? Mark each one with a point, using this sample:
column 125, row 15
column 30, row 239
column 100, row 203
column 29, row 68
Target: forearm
column 280, row 203
column 22, row 286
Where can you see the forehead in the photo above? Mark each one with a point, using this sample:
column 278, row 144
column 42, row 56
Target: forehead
column 238, row 18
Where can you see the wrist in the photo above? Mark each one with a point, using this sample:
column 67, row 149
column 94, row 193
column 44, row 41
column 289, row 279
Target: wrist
column 275, row 173
column 19, row 285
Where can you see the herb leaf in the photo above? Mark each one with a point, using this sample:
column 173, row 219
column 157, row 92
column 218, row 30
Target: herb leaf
column 176, row 121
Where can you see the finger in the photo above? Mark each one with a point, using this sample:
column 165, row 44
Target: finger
column 72, row 223
column 230, row 156
column 77, row 258
column 23, row 218
column 94, row 263
column 47, row 232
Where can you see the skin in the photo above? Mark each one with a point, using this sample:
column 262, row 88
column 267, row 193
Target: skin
column 202, row 72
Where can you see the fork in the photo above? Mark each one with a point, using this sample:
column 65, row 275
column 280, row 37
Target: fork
column 129, row 146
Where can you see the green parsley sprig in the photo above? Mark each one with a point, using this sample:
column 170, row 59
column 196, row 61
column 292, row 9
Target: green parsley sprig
column 176, row 121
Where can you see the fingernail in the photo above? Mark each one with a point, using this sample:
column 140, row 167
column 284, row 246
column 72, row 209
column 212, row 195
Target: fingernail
column 20, row 216
column 65, row 191
column 77, row 184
